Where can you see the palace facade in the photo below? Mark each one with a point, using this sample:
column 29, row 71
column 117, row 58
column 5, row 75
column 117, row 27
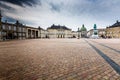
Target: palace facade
column 17, row 30
column 32, row 33
column 57, row 31
column 113, row 31
column 12, row 31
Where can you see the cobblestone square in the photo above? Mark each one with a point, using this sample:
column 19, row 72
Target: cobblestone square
column 60, row 59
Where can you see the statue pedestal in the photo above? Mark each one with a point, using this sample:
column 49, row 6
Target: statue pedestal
column 95, row 34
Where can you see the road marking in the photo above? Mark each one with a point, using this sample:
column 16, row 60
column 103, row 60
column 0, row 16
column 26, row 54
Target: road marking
column 108, row 47
column 114, row 65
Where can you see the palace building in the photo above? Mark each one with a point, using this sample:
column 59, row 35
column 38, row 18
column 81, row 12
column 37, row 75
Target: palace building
column 17, row 30
column 113, row 31
column 33, row 33
column 43, row 33
column 11, row 31
column 57, row 31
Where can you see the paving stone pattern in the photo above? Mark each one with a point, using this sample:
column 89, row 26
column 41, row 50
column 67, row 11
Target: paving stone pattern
column 58, row 59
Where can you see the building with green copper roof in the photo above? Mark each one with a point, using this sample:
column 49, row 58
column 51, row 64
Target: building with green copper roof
column 83, row 31
column 83, row 28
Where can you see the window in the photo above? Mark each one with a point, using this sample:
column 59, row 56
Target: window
column 14, row 28
column 19, row 29
column 9, row 28
column 3, row 26
column 23, row 34
column 23, row 29
column 4, row 33
column 19, row 34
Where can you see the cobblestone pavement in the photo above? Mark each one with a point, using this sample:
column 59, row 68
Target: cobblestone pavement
column 58, row 59
column 113, row 43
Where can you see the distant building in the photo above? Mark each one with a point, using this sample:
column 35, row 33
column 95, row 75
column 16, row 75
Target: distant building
column 10, row 31
column 113, row 31
column 57, row 31
column 83, row 31
column 101, row 33
column 89, row 33
column 76, row 34
column 43, row 33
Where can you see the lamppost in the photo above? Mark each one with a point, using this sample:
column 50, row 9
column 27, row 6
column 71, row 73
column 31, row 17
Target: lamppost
column 78, row 33
column 39, row 30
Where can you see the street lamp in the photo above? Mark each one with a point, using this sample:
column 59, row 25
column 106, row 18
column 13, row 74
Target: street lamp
column 78, row 33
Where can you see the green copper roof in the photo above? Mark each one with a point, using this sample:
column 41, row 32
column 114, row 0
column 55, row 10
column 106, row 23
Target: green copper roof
column 83, row 28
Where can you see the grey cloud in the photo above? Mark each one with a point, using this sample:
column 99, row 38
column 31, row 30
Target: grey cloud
column 55, row 7
column 65, row 12
column 21, row 2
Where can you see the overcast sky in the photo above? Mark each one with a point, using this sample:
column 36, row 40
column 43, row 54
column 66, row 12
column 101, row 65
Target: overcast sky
column 71, row 13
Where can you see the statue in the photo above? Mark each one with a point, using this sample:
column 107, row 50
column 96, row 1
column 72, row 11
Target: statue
column 95, row 27
column 95, row 32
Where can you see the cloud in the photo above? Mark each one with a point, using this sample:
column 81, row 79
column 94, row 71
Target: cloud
column 21, row 2
column 72, row 13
